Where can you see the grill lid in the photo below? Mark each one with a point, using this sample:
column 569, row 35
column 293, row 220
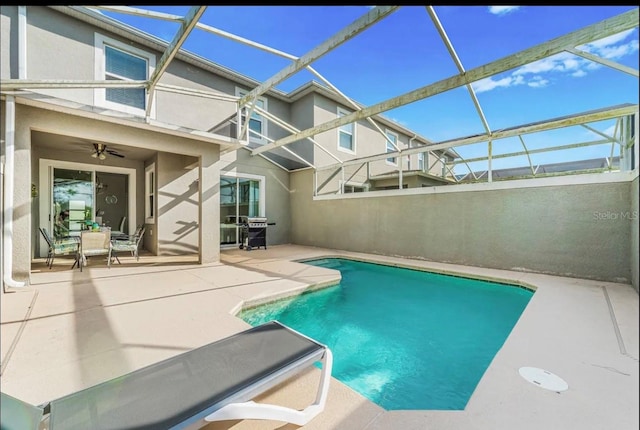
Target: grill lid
column 257, row 220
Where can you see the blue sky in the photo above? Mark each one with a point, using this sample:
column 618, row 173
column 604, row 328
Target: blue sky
column 404, row 52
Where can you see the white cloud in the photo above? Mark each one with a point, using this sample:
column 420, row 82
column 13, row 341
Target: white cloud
column 613, row 52
column 502, row 10
column 610, row 48
column 562, row 62
column 538, row 82
column 609, row 40
column 489, row 84
column 539, row 73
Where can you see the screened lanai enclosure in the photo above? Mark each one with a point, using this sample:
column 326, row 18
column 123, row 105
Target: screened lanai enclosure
column 598, row 144
column 528, row 146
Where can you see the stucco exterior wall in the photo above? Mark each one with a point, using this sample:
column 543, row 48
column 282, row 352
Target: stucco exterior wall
column 8, row 32
column 177, row 210
column 188, row 111
column 302, row 118
column 59, row 47
column 635, row 234
column 22, row 231
column 552, row 229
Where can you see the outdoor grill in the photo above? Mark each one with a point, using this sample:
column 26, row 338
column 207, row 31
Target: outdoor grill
column 253, row 232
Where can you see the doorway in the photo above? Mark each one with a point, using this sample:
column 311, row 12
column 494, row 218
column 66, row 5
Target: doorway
column 240, row 196
column 74, row 195
column 72, row 201
column 111, row 191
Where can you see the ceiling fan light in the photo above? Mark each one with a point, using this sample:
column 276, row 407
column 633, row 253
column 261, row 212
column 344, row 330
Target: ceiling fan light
column 102, row 156
column 94, row 155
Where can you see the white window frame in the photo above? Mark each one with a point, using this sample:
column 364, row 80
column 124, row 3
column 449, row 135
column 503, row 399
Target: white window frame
column 150, row 187
column 393, row 161
column 421, row 166
column 100, row 94
column 263, row 121
column 343, row 112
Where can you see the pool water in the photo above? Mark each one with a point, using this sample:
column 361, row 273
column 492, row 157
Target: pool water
column 404, row 339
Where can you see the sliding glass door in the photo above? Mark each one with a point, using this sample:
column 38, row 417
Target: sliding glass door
column 73, row 201
column 74, row 194
column 239, row 197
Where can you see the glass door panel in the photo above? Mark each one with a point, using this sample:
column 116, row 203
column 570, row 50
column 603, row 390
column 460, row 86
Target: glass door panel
column 249, row 197
column 228, row 212
column 239, row 197
column 72, row 201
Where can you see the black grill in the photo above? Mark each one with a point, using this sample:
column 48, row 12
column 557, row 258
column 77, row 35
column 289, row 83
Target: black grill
column 253, row 232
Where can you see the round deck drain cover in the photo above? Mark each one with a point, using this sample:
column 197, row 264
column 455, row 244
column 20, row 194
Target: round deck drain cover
column 543, row 379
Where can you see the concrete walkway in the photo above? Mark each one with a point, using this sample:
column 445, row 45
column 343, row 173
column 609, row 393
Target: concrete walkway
column 71, row 329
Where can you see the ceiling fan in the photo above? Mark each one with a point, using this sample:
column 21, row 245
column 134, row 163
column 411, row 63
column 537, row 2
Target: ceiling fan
column 100, row 151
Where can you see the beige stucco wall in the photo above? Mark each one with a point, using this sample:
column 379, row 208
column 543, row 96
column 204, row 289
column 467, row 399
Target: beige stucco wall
column 547, row 229
column 8, row 32
column 302, row 118
column 59, row 47
column 177, row 209
column 635, row 234
column 22, row 224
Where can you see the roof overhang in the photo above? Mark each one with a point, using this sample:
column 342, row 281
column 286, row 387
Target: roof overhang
column 28, row 98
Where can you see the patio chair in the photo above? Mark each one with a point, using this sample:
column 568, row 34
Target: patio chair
column 68, row 245
column 120, row 234
column 128, row 244
column 95, row 243
column 215, row 382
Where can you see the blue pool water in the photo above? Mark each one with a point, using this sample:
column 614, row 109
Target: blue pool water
column 405, row 339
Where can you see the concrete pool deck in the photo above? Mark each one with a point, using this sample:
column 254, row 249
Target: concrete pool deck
column 71, row 329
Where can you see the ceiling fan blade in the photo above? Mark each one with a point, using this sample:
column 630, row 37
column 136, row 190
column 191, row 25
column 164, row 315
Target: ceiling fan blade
column 115, row 154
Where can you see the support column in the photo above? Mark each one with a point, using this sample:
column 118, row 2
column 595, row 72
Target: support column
column 17, row 199
column 209, row 219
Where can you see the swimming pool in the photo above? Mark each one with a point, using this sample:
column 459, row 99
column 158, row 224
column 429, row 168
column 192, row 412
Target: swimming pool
column 403, row 338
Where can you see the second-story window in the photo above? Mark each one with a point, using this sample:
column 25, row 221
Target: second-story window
column 122, row 66
column 391, row 137
column 116, row 61
column 257, row 123
column 346, row 135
